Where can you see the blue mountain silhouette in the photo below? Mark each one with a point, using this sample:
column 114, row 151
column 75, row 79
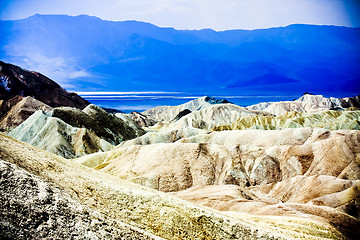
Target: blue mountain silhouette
column 90, row 53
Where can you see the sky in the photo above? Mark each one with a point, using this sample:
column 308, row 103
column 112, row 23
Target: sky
column 197, row 14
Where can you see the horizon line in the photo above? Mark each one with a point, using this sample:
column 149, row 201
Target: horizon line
column 125, row 93
column 171, row 27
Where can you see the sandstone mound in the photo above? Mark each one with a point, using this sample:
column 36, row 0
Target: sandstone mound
column 235, row 199
column 280, row 108
column 219, row 117
column 213, row 116
column 323, row 102
column 231, row 117
column 193, row 123
column 240, row 160
column 117, row 200
column 17, row 109
column 163, row 136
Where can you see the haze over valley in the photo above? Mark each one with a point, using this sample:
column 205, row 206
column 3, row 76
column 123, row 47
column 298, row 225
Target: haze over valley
column 87, row 54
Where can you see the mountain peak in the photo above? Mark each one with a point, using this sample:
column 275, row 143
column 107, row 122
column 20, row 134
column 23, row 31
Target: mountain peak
column 17, row 81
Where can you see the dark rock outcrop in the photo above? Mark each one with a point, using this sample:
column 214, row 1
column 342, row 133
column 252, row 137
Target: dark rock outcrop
column 213, row 100
column 112, row 123
column 181, row 114
column 112, row 110
column 105, row 125
column 17, row 81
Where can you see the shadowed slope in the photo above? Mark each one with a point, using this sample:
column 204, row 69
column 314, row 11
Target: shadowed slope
column 17, row 81
column 16, row 110
column 33, row 208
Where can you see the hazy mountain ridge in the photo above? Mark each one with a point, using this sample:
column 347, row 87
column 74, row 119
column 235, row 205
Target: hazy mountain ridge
column 133, row 55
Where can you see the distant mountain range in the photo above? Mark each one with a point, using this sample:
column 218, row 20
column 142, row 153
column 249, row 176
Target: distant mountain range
column 86, row 53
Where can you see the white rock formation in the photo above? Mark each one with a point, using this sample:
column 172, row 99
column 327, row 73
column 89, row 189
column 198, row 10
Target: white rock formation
column 168, row 113
column 307, row 103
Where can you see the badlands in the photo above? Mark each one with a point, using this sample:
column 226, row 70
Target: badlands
column 207, row 169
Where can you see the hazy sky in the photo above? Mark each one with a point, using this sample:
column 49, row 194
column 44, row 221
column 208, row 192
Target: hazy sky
column 197, row 14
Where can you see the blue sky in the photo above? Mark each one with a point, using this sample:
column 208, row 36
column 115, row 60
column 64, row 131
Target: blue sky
column 197, row 14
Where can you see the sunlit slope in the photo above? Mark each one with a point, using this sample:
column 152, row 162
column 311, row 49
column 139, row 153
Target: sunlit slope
column 330, row 119
column 152, row 211
column 304, row 172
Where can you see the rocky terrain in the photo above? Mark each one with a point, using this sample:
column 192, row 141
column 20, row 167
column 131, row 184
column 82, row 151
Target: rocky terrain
column 63, row 199
column 140, row 119
column 243, row 160
column 49, row 213
column 35, row 109
column 207, row 169
column 305, row 172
